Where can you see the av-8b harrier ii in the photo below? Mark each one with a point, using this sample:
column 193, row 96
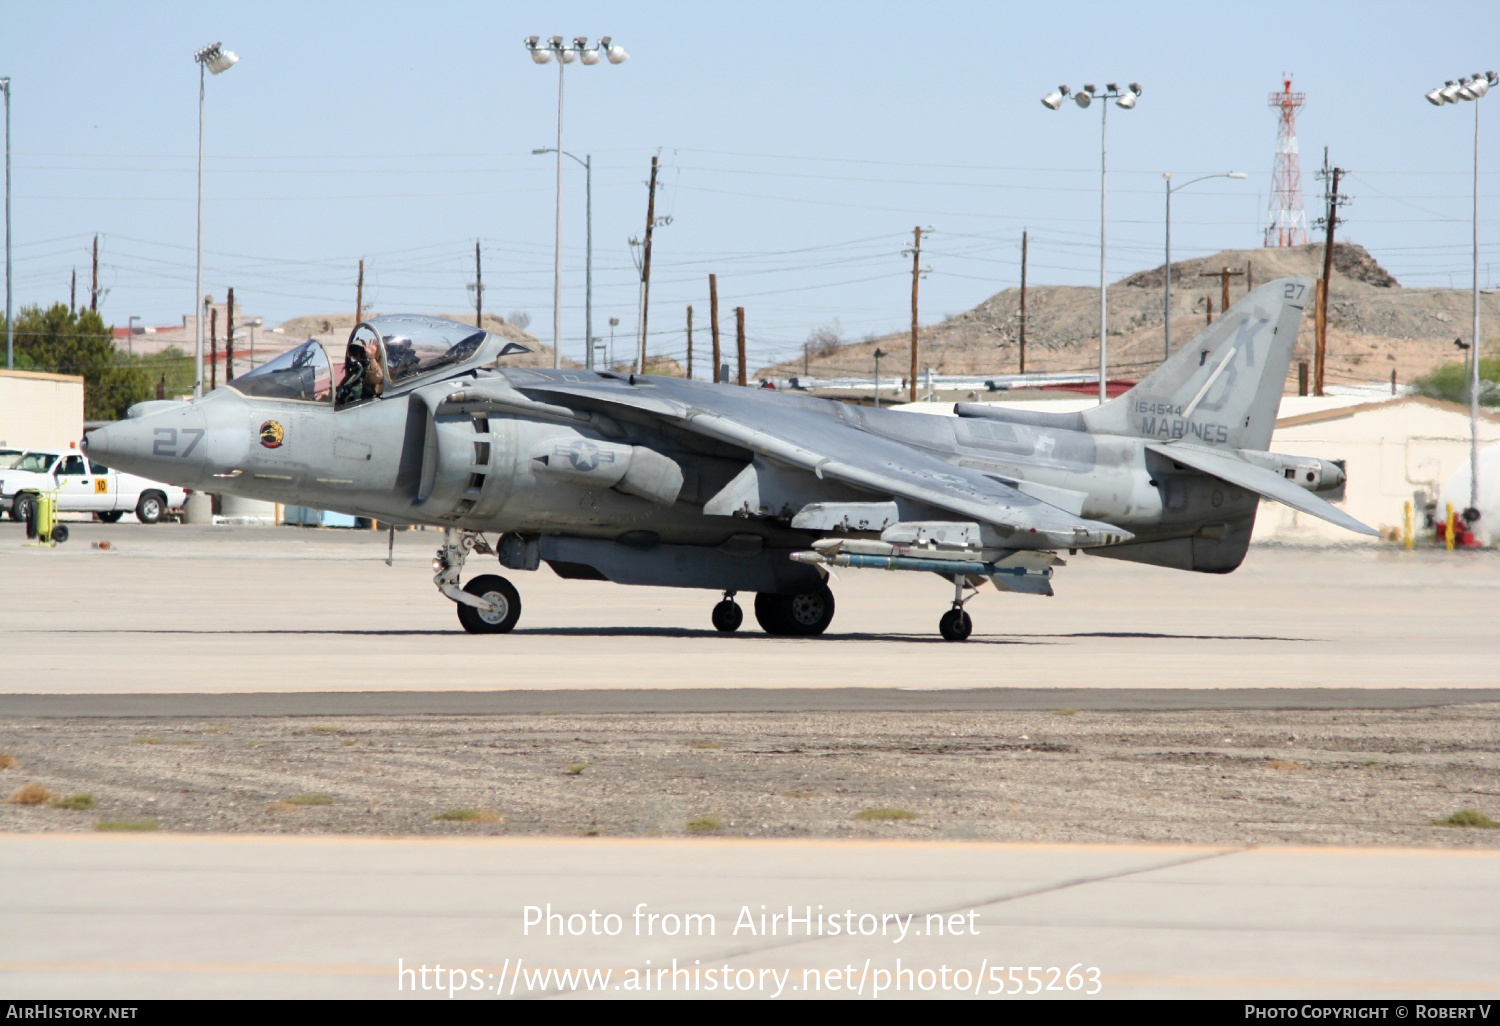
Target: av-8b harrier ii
column 662, row 481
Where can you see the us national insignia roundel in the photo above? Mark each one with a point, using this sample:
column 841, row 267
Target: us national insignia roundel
column 271, row 434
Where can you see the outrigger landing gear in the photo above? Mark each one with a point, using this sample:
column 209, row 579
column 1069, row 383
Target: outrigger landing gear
column 728, row 615
column 955, row 624
column 488, row 604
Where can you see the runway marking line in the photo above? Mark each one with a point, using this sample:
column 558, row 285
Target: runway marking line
column 768, row 842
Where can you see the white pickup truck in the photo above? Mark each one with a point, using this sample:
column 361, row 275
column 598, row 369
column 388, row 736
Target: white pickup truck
column 83, row 486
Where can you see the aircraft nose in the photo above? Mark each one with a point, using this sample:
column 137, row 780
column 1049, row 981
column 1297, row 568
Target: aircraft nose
column 161, row 444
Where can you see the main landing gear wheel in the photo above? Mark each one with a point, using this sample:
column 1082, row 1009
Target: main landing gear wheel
column 506, row 599
column 803, row 614
column 727, row 615
column 955, row 625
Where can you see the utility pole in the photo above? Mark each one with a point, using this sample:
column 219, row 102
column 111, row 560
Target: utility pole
column 10, row 331
column 646, row 265
column 588, row 260
column 229, row 339
column 1023, row 302
column 73, row 292
column 1223, row 275
column 213, row 345
column 713, row 322
column 690, row 342
column 916, row 273
column 478, row 289
column 739, row 339
column 359, row 294
column 94, row 281
column 1330, row 178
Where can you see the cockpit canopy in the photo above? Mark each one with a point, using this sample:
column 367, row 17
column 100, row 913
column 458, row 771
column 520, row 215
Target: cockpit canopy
column 302, row 373
column 381, row 353
column 416, row 346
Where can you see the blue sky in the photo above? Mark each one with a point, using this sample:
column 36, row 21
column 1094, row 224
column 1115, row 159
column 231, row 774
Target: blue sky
column 799, row 143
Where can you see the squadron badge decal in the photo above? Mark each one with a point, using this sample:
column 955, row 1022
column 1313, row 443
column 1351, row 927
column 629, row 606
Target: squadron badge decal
column 271, row 434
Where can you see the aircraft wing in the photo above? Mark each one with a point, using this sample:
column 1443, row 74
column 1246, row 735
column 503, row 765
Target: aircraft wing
column 826, row 440
column 1228, row 467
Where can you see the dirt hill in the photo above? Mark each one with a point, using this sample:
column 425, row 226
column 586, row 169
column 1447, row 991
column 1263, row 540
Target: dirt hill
column 1375, row 325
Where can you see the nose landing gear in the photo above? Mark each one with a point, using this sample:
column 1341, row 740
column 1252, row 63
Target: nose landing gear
column 489, row 604
column 955, row 624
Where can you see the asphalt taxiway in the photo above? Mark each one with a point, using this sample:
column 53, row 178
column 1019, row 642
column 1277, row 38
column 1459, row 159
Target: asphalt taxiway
column 177, row 916
column 196, row 610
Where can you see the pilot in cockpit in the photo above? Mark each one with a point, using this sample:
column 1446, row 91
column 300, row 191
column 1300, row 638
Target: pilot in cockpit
column 363, row 377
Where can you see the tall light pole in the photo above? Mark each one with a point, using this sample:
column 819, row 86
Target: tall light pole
column 1472, row 88
column 10, row 331
column 542, row 53
column 217, row 60
column 588, row 281
column 1124, row 99
column 1167, row 295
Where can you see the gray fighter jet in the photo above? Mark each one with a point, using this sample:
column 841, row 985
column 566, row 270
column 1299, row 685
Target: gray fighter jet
column 661, row 481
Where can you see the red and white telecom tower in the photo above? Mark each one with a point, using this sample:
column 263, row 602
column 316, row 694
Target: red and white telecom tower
column 1288, row 225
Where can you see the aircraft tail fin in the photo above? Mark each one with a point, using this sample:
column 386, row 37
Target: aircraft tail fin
column 1224, row 387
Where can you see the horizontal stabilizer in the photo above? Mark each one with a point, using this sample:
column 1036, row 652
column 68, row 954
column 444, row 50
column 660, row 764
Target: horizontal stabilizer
column 1228, row 467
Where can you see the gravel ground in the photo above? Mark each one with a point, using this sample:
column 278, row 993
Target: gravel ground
column 1367, row 777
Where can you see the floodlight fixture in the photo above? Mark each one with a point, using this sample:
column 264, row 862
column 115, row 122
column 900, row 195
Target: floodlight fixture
column 615, row 54
column 1126, row 100
column 216, row 59
column 581, row 50
column 1472, row 88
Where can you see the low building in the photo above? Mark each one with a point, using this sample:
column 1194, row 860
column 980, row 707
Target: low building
column 1392, row 451
column 40, row 411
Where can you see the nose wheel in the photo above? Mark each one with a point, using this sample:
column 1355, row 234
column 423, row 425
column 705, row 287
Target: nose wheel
column 727, row 615
column 955, row 625
column 488, row 604
column 504, row 606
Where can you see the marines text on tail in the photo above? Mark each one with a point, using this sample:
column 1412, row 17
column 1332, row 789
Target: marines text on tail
column 663, row 481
